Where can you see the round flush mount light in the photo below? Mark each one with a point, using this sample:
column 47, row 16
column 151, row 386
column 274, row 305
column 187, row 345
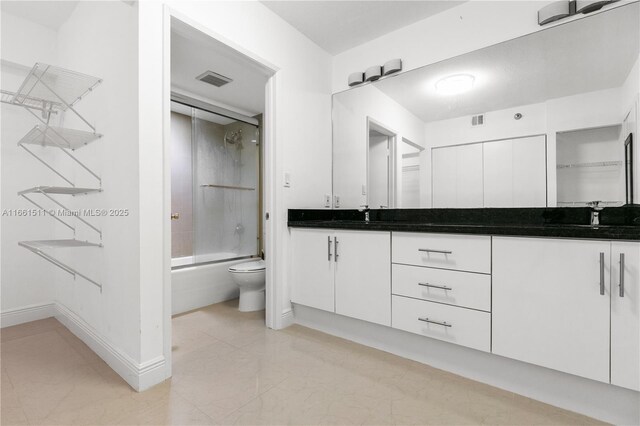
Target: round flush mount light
column 455, row 84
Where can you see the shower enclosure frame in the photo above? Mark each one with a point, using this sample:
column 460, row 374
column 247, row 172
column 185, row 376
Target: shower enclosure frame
column 193, row 103
column 275, row 316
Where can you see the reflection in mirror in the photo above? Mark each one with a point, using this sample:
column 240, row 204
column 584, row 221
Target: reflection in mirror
column 537, row 121
column 380, row 180
column 409, row 186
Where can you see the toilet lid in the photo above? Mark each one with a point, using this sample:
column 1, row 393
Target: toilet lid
column 253, row 266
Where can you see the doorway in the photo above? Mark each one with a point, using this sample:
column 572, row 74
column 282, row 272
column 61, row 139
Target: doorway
column 222, row 99
column 381, row 180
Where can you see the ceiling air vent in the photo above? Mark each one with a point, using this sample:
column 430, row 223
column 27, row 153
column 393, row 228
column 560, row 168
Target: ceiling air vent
column 477, row 120
column 214, row 78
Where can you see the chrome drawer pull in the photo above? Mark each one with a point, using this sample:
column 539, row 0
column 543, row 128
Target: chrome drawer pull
column 601, row 273
column 435, row 251
column 443, row 323
column 441, row 287
column 329, row 248
column 621, row 274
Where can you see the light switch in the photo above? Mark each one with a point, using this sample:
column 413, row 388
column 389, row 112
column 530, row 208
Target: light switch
column 327, row 200
column 287, row 180
column 336, row 201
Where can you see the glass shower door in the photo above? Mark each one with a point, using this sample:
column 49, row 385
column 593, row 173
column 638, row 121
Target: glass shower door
column 225, row 188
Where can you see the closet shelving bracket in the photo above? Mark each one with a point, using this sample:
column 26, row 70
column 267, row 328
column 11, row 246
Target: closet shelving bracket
column 64, row 139
column 39, row 247
column 46, row 191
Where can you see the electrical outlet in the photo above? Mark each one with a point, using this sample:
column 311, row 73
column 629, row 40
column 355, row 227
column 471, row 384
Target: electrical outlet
column 327, row 200
column 336, row 201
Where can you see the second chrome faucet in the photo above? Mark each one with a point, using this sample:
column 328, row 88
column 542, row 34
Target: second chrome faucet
column 365, row 208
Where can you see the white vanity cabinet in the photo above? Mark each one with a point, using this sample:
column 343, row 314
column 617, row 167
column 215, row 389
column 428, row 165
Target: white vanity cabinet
column 551, row 303
column 557, row 303
column 625, row 314
column 566, row 304
column 363, row 275
column 312, row 270
column 442, row 287
column 346, row 272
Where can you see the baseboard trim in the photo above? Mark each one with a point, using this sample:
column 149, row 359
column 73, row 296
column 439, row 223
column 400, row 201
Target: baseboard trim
column 602, row 401
column 287, row 318
column 29, row 313
column 140, row 376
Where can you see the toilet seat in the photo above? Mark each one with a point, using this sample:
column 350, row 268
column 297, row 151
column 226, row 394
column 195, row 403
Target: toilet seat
column 248, row 267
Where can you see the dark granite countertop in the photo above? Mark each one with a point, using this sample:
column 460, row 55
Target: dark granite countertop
column 619, row 223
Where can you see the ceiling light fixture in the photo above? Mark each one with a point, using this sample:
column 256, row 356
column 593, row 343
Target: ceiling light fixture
column 455, row 84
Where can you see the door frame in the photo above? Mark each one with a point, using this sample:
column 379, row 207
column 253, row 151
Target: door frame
column 394, row 137
column 273, row 308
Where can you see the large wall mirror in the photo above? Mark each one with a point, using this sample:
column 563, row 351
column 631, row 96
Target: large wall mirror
column 541, row 120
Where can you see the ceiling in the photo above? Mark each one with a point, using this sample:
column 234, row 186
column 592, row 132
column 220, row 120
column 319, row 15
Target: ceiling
column 51, row 14
column 193, row 53
column 594, row 53
column 337, row 26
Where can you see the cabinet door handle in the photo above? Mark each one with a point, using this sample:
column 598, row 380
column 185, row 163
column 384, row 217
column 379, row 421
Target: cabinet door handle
column 329, row 249
column 435, row 251
column 621, row 274
column 601, row 273
column 441, row 287
column 442, row 323
column 336, row 244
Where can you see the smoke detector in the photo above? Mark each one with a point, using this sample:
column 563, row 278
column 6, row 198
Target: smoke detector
column 214, row 78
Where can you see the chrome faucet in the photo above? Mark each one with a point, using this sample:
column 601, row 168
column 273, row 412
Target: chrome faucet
column 595, row 212
column 365, row 208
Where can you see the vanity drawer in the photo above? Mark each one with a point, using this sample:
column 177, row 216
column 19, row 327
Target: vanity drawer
column 464, row 327
column 458, row 252
column 466, row 289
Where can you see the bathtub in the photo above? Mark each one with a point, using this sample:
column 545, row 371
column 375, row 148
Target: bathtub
column 193, row 287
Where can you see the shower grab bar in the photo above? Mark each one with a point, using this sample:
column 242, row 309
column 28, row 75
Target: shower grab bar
column 243, row 188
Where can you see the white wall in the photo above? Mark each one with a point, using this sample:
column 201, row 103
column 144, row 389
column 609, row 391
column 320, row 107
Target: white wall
column 26, row 279
column 37, row 43
column 498, row 125
column 90, row 43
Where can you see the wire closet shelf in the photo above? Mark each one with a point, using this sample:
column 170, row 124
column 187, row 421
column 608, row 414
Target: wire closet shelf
column 48, row 90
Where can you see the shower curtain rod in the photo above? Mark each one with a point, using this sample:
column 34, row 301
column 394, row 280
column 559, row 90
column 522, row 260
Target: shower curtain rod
column 195, row 103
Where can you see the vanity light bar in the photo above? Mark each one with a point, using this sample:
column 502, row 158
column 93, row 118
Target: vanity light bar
column 375, row 72
column 563, row 9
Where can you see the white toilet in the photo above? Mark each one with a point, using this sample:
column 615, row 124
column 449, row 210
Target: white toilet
column 250, row 277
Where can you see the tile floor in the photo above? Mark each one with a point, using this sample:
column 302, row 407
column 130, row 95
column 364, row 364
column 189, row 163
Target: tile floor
column 229, row 369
